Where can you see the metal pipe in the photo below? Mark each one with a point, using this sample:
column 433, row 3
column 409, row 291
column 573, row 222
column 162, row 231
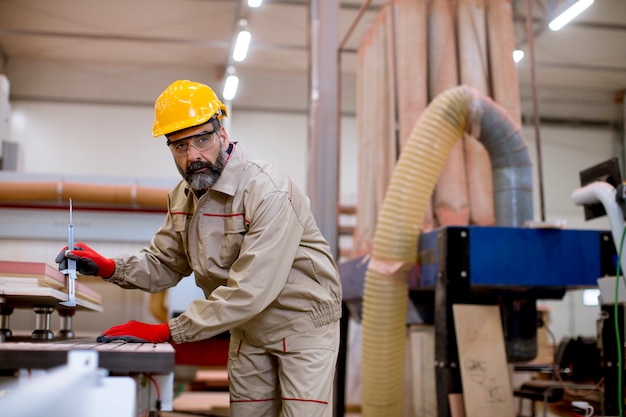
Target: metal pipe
column 355, row 22
column 536, row 122
column 323, row 123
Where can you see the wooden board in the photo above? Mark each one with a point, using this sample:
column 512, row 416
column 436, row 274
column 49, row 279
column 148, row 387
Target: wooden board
column 27, row 296
column 482, row 356
column 202, row 403
column 33, row 279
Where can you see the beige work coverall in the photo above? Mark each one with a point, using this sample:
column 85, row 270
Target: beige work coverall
column 268, row 276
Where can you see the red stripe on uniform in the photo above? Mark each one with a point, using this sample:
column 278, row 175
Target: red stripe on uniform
column 305, row 401
column 222, row 215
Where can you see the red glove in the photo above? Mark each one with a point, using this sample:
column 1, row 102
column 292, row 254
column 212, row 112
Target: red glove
column 88, row 261
column 134, row 331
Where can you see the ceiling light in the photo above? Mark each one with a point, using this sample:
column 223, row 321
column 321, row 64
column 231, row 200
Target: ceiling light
column 569, row 14
column 230, row 87
column 518, row 55
column 241, row 45
column 254, row 3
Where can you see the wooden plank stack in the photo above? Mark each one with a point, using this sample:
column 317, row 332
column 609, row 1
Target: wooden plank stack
column 24, row 284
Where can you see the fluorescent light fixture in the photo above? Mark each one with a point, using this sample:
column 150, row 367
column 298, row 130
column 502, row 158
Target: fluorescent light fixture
column 518, row 55
column 569, row 14
column 230, row 87
column 241, row 45
column 254, row 3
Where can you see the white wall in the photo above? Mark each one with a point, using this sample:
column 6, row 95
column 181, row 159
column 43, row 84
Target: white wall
column 565, row 152
column 89, row 140
column 116, row 141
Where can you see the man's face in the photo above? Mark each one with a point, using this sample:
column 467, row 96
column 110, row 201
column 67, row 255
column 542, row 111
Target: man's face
column 200, row 154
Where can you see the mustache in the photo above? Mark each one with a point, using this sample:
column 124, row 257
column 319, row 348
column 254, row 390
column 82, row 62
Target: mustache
column 197, row 165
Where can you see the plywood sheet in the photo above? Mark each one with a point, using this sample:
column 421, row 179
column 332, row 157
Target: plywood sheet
column 482, row 357
column 39, row 274
column 24, row 284
column 27, row 296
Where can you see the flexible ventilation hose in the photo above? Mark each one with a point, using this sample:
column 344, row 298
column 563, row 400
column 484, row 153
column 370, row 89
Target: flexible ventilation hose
column 394, row 253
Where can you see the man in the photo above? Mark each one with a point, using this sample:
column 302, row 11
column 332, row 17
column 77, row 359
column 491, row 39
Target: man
column 248, row 235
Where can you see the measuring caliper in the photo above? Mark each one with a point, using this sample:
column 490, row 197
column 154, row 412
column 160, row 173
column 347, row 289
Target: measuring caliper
column 70, row 271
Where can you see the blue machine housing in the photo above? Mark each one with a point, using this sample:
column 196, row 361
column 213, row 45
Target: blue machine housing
column 509, row 257
column 504, row 266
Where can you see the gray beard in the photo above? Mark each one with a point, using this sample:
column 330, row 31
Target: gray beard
column 201, row 181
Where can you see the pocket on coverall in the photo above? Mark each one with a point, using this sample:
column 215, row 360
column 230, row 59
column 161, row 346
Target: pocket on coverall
column 234, row 232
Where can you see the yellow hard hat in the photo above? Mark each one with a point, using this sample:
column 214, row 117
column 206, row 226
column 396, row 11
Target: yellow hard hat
column 185, row 104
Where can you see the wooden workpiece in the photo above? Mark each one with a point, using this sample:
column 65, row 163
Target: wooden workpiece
column 41, row 287
column 25, row 284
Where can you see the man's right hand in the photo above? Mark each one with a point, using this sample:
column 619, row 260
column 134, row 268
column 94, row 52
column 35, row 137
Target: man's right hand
column 88, row 261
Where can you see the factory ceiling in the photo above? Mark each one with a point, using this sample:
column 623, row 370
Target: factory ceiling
column 579, row 71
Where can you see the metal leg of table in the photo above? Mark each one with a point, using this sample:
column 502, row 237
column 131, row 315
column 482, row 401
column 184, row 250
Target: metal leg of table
column 66, row 315
column 5, row 318
column 42, row 323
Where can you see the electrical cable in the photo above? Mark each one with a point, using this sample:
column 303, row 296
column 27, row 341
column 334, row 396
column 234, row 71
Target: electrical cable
column 617, row 329
column 557, row 372
column 180, row 388
column 158, row 391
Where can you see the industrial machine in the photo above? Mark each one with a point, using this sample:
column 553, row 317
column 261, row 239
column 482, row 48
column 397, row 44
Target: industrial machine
column 508, row 267
column 514, row 267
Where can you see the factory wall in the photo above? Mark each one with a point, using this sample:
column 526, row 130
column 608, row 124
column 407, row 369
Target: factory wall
column 104, row 141
column 97, row 140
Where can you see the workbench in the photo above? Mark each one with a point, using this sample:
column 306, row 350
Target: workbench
column 117, row 358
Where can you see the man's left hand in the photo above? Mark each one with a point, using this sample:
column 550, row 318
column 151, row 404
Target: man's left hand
column 137, row 332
